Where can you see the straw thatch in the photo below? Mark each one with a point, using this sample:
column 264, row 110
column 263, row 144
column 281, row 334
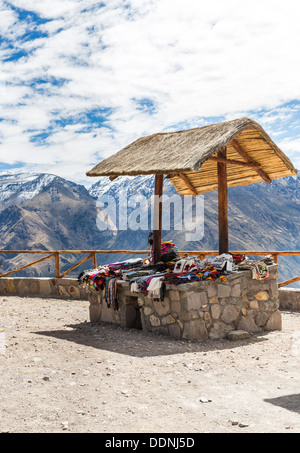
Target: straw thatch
column 185, row 156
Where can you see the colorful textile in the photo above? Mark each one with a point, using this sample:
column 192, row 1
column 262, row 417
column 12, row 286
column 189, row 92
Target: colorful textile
column 223, row 262
column 151, row 278
column 111, row 292
column 260, row 271
column 208, row 273
column 167, row 246
column 238, row 258
column 95, row 279
column 141, row 284
column 156, row 289
column 185, row 265
column 169, row 252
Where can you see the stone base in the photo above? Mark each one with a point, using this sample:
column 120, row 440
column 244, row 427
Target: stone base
column 57, row 288
column 289, row 298
column 198, row 310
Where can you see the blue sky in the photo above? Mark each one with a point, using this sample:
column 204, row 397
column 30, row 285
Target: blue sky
column 80, row 79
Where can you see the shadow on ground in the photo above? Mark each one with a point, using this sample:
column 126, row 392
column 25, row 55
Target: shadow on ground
column 290, row 402
column 138, row 343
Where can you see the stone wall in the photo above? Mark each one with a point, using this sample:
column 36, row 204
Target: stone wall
column 198, row 310
column 194, row 311
column 289, row 299
column 58, row 288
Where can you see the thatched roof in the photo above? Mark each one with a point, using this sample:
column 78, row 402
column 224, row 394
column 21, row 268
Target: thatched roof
column 186, row 157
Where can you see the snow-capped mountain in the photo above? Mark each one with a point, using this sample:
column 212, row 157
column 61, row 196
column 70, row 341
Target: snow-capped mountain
column 18, row 187
column 49, row 212
column 139, row 185
column 52, row 214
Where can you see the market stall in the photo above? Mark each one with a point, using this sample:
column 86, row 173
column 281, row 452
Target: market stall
column 192, row 297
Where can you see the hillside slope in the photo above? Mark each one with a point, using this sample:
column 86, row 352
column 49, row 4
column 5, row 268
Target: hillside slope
column 48, row 212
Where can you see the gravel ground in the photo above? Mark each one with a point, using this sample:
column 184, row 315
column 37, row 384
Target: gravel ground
column 59, row 373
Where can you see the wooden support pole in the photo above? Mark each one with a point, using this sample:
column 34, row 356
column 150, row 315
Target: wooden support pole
column 223, row 204
column 57, row 265
column 157, row 218
column 275, row 258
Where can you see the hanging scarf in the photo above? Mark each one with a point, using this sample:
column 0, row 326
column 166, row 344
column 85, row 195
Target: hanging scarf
column 111, row 292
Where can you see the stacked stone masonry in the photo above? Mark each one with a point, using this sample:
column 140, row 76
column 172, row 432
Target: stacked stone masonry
column 198, row 310
column 194, row 311
column 58, row 288
column 289, row 298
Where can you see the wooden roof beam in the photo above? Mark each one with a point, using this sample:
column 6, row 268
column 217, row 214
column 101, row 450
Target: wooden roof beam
column 188, row 183
column 248, row 159
column 234, row 162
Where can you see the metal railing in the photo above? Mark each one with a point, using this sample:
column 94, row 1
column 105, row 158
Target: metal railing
column 92, row 254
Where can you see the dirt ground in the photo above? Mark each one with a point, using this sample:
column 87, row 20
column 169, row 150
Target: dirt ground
column 59, row 373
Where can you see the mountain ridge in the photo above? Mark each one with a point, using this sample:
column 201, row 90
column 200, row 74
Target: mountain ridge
column 47, row 212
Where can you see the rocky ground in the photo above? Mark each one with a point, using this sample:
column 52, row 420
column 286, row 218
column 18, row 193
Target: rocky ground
column 59, row 373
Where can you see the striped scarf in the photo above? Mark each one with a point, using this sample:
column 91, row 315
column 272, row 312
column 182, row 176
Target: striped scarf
column 111, row 292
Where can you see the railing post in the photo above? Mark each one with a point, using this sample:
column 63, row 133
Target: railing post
column 57, row 265
column 94, row 257
column 275, row 258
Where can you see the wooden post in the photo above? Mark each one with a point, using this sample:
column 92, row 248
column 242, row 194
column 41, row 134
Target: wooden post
column 223, row 204
column 157, row 218
column 94, row 257
column 57, row 265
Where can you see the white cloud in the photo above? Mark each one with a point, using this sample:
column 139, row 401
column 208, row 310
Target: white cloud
column 192, row 59
column 291, row 147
